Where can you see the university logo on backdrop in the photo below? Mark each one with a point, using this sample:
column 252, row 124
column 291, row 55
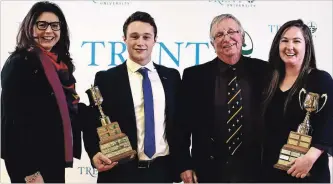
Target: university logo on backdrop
column 313, row 27
column 118, row 48
column 112, row 3
column 247, row 47
column 235, row 4
column 273, row 28
column 88, row 170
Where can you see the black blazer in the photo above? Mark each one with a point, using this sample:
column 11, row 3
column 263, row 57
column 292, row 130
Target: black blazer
column 31, row 125
column 195, row 116
column 118, row 105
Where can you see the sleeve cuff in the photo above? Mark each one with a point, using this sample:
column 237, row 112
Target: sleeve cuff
column 327, row 149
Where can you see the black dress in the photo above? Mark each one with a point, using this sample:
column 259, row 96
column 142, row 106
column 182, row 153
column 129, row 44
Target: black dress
column 278, row 126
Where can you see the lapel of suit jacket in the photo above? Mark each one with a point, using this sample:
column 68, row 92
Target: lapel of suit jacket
column 249, row 98
column 210, row 74
column 126, row 99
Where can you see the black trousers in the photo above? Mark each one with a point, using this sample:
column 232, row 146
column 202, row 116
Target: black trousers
column 50, row 173
column 231, row 170
column 158, row 171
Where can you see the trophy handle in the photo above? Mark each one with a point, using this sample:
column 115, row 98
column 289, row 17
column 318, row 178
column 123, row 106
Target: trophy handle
column 323, row 96
column 299, row 97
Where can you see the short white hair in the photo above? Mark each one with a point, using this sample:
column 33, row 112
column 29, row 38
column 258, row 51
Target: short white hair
column 221, row 17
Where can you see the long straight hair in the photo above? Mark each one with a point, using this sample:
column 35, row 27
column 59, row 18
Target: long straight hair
column 278, row 66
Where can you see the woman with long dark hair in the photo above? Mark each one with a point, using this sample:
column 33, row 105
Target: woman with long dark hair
column 39, row 101
column 293, row 60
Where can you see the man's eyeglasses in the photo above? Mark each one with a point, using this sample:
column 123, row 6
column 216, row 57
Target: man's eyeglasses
column 43, row 25
column 221, row 35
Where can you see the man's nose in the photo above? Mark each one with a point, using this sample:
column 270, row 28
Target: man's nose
column 140, row 41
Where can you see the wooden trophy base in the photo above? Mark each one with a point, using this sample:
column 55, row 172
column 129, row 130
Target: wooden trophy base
column 288, row 154
column 297, row 146
column 124, row 157
column 114, row 144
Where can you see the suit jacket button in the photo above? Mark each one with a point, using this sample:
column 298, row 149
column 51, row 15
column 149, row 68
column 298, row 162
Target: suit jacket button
column 51, row 93
column 212, row 139
column 211, row 157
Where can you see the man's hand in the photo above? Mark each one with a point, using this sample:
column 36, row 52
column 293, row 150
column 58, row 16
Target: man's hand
column 103, row 163
column 189, row 176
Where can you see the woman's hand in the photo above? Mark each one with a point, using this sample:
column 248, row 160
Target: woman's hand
column 301, row 166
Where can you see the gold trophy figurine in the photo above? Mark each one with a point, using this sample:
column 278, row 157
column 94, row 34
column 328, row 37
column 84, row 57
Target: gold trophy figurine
column 299, row 142
column 113, row 143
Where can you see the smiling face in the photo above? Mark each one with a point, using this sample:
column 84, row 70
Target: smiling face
column 140, row 41
column 46, row 30
column 292, row 47
column 227, row 39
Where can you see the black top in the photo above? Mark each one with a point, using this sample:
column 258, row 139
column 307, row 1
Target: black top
column 279, row 125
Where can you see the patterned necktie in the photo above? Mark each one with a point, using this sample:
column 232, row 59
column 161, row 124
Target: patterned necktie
column 149, row 138
column 235, row 113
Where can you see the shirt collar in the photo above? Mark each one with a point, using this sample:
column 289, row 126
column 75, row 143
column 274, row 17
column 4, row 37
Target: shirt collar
column 223, row 67
column 134, row 67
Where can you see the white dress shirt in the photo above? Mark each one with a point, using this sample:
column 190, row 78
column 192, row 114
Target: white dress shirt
column 135, row 80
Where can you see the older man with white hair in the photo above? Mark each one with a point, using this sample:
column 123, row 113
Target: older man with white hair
column 220, row 108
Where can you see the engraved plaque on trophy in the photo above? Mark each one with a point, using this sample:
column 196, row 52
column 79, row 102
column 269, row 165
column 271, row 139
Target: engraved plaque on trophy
column 299, row 142
column 113, row 143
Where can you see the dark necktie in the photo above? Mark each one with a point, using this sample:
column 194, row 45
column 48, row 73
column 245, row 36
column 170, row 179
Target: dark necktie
column 235, row 113
column 149, row 138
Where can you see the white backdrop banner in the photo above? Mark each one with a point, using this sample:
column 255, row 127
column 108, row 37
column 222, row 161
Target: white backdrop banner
column 183, row 37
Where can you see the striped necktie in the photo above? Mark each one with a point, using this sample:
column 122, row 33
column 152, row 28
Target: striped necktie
column 235, row 113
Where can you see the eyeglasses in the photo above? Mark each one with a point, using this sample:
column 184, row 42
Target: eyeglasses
column 43, row 25
column 221, row 35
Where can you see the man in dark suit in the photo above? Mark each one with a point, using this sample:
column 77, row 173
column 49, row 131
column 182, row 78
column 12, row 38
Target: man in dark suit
column 140, row 96
column 219, row 107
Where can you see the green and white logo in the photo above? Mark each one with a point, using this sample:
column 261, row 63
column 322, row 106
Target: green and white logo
column 247, row 47
column 312, row 26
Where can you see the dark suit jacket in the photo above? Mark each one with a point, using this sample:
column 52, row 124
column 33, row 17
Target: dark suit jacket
column 31, row 125
column 118, row 105
column 196, row 117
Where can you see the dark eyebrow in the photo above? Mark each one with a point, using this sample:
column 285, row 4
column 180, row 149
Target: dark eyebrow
column 296, row 38
column 136, row 33
column 148, row 34
column 48, row 22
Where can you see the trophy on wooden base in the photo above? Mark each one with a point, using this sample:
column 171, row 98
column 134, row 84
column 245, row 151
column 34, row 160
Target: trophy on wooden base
column 299, row 142
column 113, row 143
